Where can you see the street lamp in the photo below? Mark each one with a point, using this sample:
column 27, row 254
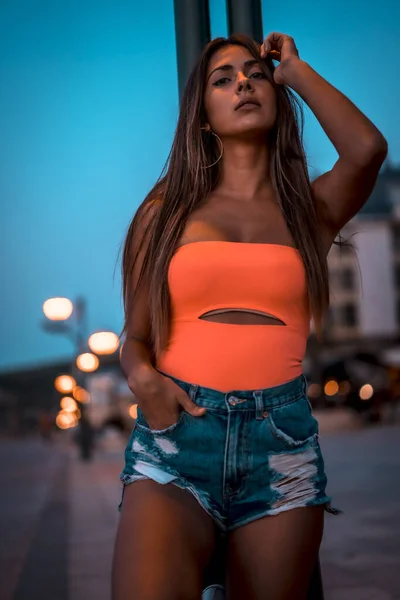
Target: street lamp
column 87, row 362
column 58, row 313
column 64, row 384
column 58, row 309
column 133, row 411
column 66, row 420
column 68, row 404
column 103, row 342
column 69, row 319
column 80, row 394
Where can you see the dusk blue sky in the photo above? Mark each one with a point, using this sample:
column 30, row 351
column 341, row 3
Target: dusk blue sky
column 88, row 106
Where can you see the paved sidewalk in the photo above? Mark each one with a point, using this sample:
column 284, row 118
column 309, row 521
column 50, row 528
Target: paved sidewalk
column 94, row 496
column 33, row 520
column 361, row 549
column 58, row 518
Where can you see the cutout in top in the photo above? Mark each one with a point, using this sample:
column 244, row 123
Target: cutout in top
column 241, row 316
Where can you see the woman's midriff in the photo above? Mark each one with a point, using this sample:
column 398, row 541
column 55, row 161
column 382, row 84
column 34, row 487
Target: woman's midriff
column 229, row 357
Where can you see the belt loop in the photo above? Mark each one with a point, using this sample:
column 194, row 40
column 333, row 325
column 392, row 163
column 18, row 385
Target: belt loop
column 258, row 396
column 193, row 391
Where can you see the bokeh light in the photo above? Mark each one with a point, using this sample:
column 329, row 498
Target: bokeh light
column 80, row 394
column 103, row 342
column 64, row 384
column 68, row 404
column 331, row 388
column 58, row 309
column 87, row 362
column 66, row 420
column 366, row 392
column 133, row 411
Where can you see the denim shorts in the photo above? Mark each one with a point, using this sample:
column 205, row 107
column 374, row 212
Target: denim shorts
column 254, row 453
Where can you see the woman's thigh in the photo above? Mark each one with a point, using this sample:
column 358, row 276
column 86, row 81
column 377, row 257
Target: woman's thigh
column 273, row 558
column 164, row 541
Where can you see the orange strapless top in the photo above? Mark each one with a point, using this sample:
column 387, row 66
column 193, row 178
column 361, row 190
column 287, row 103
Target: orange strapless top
column 210, row 275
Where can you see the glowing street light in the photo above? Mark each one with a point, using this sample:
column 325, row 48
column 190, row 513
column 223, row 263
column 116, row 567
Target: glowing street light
column 80, row 394
column 103, row 342
column 58, row 309
column 133, row 411
column 366, row 392
column 58, row 312
column 64, row 384
column 66, row 420
column 87, row 362
column 331, row 388
column 68, row 404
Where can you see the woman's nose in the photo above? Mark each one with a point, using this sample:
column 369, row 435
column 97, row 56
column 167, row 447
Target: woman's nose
column 244, row 84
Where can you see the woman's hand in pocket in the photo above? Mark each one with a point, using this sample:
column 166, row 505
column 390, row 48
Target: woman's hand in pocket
column 159, row 398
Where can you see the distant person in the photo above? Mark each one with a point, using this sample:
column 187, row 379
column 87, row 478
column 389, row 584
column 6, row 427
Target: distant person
column 224, row 265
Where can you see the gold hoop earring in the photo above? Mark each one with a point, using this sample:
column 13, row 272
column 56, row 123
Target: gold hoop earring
column 209, row 130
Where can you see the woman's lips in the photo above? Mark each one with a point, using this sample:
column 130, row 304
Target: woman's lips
column 248, row 106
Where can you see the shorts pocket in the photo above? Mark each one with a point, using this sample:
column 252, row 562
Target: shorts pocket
column 142, row 425
column 293, row 424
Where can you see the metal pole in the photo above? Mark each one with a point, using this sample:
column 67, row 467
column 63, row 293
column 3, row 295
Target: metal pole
column 245, row 16
column 85, row 434
column 192, row 31
column 80, row 317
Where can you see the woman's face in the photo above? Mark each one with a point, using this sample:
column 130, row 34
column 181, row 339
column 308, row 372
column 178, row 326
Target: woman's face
column 239, row 99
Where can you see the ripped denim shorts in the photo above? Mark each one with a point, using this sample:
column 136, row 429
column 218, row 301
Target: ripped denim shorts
column 253, row 453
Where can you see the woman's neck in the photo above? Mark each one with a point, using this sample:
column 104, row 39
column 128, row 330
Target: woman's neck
column 244, row 169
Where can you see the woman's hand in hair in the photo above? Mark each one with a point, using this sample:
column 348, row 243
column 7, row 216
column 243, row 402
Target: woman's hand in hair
column 160, row 399
column 280, row 47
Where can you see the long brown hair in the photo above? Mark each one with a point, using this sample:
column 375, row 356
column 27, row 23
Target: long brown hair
column 186, row 182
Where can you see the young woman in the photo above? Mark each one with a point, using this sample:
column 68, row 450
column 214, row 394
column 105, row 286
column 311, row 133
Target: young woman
column 224, row 265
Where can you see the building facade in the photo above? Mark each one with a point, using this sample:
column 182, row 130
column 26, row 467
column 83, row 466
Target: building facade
column 363, row 280
column 364, row 272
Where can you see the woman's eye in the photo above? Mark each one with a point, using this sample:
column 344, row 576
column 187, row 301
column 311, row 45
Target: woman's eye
column 258, row 75
column 221, row 81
